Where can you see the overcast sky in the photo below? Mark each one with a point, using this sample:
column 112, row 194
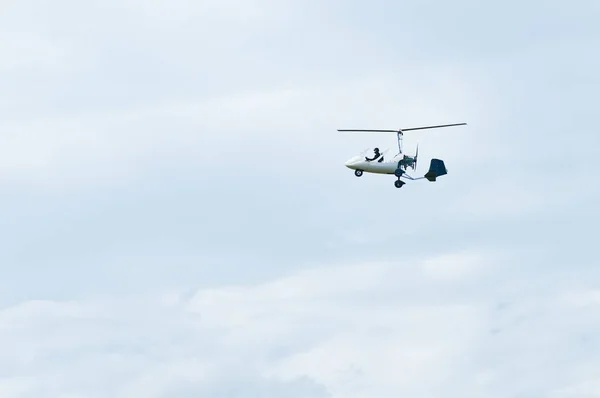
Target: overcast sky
column 177, row 220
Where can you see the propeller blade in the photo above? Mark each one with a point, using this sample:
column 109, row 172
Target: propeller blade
column 416, row 157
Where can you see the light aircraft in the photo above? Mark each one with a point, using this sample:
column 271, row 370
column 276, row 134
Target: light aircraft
column 397, row 164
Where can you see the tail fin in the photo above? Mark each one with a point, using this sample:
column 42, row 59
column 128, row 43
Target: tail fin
column 437, row 168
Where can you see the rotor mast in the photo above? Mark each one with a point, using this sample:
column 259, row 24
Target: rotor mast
column 400, row 135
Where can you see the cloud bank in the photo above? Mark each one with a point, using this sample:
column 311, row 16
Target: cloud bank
column 423, row 329
column 176, row 220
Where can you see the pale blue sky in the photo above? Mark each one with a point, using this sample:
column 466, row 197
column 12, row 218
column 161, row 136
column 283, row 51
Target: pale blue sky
column 173, row 189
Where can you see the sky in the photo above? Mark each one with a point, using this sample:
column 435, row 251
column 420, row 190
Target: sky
column 177, row 220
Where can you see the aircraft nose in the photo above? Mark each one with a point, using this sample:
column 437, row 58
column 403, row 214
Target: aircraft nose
column 352, row 162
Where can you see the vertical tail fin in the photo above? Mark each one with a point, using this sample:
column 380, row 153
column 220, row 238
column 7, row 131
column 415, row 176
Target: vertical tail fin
column 437, row 168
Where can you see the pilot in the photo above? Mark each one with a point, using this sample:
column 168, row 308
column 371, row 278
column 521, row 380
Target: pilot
column 377, row 154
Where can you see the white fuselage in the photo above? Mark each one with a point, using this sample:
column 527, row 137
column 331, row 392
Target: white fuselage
column 387, row 166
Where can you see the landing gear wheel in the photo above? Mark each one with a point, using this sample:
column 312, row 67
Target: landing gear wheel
column 358, row 173
column 398, row 172
column 399, row 183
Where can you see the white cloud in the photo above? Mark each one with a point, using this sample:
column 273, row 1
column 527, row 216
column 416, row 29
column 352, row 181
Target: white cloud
column 16, row 386
column 23, row 51
column 127, row 92
column 456, row 265
column 349, row 331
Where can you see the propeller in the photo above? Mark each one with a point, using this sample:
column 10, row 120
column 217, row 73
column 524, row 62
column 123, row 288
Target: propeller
column 416, row 156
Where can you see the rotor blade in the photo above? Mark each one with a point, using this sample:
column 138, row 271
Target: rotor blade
column 434, row 127
column 372, row 131
column 402, row 130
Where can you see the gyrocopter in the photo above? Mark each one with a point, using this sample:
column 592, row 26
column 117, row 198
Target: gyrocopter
column 399, row 163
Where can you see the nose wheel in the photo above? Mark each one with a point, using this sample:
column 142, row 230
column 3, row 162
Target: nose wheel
column 399, row 183
column 358, row 173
